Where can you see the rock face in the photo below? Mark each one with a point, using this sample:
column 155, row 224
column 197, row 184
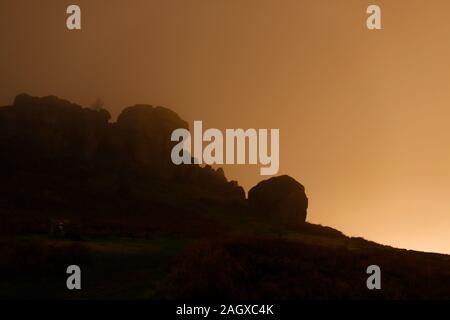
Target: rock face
column 49, row 133
column 280, row 197
column 140, row 141
column 55, row 137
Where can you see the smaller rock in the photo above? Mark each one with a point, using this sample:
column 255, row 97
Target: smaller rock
column 280, row 197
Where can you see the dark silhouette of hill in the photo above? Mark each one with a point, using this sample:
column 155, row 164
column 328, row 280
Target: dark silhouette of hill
column 61, row 160
column 57, row 137
column 76, row 188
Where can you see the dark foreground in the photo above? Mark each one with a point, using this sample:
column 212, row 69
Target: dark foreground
column 78, row 189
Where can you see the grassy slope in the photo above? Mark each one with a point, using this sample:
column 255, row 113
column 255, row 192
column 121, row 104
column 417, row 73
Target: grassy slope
column 137, row 268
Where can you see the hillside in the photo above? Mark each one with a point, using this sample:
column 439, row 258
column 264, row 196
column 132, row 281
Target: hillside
column 76, row 188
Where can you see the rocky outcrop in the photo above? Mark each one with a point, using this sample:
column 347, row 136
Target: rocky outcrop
column 50, row 133
column 140, row 141
column 56, row 137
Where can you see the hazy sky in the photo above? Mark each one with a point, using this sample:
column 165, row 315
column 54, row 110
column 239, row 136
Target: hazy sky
column 363, row 115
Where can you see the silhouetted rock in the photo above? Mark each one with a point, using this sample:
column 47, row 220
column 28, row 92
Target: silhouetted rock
column 281, row 197
column 49, row 133
column 51, row 137
column 140, row 140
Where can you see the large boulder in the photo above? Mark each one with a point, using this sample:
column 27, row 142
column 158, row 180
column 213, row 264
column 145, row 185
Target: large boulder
column 140, row 140
column 280, row 197
column 154, row 122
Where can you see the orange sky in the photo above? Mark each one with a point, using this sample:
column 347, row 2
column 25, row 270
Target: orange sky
column 363, row 115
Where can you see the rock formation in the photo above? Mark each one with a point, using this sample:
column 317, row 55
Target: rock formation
column 280, row 197
column 54, row 137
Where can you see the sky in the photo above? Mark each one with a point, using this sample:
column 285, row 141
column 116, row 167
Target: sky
column 363, row 115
